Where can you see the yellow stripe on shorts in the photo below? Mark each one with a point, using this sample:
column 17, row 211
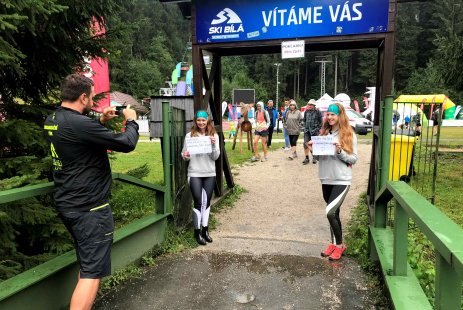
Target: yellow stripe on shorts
column 100, row 207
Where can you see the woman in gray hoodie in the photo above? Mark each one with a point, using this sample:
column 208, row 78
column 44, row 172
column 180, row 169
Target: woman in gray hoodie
column 201, row 174
column 335, row 173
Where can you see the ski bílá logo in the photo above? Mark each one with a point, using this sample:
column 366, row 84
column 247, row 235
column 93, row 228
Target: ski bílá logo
column 230, row 18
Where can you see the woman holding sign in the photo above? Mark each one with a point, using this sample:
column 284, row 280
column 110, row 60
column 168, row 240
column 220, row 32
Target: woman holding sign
column 201, row 148
column 335, row 172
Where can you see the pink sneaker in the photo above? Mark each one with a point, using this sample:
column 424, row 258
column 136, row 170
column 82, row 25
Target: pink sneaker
column 329, row 249
column 337, row 253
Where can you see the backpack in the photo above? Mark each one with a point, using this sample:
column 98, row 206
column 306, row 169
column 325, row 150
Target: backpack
column 265, row 116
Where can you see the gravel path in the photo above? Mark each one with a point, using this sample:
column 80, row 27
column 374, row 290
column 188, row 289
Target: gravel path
column 282, row 210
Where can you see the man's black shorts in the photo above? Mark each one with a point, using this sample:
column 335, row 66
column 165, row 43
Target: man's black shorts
column 92, row 232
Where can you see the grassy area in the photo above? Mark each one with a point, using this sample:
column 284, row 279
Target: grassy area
column 149, row 153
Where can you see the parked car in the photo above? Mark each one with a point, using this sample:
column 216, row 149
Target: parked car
column 358, row 122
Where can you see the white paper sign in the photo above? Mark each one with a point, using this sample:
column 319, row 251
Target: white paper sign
column 199, row 145
column 293, row 49
column 323, row 145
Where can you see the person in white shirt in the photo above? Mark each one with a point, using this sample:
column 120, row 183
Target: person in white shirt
column 201, row 174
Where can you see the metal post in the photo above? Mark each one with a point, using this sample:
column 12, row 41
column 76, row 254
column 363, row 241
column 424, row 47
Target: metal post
column 335, row 74
column 380, row 208
column 166, row 157
column 385, row 142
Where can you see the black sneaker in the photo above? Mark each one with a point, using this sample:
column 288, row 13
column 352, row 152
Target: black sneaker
column 314, row 161
column 305, row 161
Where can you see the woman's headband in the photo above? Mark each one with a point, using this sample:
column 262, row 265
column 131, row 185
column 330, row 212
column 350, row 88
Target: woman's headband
column 202, row 114
column 334, row 109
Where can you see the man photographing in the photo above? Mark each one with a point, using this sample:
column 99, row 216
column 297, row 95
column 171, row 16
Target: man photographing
column 82, row 177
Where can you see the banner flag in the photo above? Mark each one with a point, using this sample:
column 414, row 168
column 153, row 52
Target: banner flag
column 97, row 70
column 356, row 104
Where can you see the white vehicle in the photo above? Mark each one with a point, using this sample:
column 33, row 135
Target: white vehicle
column 360, row 124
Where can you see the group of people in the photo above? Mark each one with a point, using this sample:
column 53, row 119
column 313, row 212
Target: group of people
column 291, row 117
column 82, row 174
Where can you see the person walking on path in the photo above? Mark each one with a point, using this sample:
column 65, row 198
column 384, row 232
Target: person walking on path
column 313, row 121
column 285, row 132
column 272, row 112
column 335, row 172
column 293, row 127
column 262, row 125
column 201, row 174
column 82, row 177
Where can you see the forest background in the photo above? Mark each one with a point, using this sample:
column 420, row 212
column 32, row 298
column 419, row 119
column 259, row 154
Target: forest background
column 41, row 41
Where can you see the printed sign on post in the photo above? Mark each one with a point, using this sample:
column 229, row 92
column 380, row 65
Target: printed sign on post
column 323, row 145
column 199, row 145
column 292, row 49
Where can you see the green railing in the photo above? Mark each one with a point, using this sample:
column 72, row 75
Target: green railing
column 50, row 285
column 389, row 244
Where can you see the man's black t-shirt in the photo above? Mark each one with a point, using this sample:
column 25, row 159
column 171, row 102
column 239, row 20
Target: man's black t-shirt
column 79, row 145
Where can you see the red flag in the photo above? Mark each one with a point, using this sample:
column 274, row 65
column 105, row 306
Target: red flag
column 365, row 100
column 97, row 70
column 356, row 104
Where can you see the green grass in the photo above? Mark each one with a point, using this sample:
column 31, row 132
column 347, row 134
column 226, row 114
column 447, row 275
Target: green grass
column 148, row 153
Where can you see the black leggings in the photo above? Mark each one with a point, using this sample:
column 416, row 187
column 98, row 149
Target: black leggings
column 293, row 140
column 201, row 189
column 334, row 196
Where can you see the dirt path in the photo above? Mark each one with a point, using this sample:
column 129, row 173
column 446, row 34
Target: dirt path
column 282, row 210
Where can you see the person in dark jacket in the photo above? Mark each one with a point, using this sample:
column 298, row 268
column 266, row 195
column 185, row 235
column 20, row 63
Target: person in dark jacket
column 82, row 177
column 273, row 113
column 313, row 121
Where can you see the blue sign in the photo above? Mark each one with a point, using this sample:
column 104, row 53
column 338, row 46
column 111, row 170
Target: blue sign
column 241, row 20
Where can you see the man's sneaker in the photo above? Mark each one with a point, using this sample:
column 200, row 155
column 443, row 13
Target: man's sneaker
column 264, row 159
column 314, row 161
column 294, row 155
column 254, row 158
column 328, row 251
column 337, row 253
column 305, row 161
column 286, row 148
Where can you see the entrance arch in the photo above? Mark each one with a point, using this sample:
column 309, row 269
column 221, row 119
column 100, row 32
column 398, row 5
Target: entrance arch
column 350, row 37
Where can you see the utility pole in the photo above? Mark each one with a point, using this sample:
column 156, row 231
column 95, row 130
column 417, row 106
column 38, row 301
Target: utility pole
column 323, row 60
column 278, row 82
column 276, row 97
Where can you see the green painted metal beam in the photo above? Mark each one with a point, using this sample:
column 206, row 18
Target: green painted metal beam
column 405, row 291
column 445, row 235
column 400, row 249
column 140, row 183
column 448, row 286
column 26, row 192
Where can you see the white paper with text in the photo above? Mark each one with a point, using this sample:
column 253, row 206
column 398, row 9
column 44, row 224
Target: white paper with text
column 199, row 145
column 323, row 145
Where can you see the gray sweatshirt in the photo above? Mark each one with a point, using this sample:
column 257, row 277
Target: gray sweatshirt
column 202, row 165
column 337, row 169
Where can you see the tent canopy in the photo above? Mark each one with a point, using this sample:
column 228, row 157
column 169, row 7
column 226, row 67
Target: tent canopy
column 425, row 99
